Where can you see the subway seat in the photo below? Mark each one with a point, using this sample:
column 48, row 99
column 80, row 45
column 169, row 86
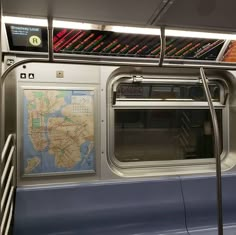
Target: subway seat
column 167, row 206
column 199, row 195
column 137, row 207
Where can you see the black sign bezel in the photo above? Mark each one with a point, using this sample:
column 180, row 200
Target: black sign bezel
column 12, row 47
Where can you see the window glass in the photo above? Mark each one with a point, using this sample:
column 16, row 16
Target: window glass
column 168, row 92
column 163, row 135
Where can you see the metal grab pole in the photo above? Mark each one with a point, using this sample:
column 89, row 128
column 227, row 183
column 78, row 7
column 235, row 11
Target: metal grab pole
column 50, row 39
column 163, row 46
column 1, row 88
column 216, row 151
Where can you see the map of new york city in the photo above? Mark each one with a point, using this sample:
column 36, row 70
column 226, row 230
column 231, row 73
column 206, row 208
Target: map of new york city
column 58, row 131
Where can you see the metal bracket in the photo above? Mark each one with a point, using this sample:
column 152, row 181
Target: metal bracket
column 137, row 79
column 10, row 62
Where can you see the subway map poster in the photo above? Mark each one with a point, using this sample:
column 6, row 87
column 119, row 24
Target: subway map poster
column 58, row 131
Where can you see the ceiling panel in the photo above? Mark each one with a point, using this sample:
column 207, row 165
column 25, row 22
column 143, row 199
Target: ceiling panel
column 202, row 14
column 22, row 7
column 191, row 14
column 135, row 12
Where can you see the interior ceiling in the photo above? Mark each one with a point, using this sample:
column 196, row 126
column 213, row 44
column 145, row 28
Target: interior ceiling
column 203, row 14
column 135, row 12
column 192, row 14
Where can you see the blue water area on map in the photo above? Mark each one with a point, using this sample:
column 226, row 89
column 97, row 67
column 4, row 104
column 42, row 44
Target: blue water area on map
column 47, row 161
column 81, row 93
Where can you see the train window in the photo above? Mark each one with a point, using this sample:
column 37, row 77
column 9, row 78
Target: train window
column 158, row 121
column 167, row 92
column 159, row 135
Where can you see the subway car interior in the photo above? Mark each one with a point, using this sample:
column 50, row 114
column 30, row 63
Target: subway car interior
column 117, row 117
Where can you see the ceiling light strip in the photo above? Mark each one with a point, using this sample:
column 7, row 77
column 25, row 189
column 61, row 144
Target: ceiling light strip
column 25, row 21
column 119, row 29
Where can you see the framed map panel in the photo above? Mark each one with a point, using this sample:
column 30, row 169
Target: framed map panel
column 58, row 131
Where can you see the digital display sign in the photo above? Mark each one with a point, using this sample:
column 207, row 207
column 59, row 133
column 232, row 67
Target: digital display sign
column 105, row 43
column 27, row 38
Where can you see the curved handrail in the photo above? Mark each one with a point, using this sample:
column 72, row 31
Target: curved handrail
column 216, row 150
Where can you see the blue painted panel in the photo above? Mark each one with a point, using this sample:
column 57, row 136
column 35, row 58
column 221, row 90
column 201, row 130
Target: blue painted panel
column 200, row 202
column 145, row 207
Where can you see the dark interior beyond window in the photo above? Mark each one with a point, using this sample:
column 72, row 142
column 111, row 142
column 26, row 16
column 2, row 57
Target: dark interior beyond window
column 161, row 135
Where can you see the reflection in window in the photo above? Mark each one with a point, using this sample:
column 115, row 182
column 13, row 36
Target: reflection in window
column 163, row 135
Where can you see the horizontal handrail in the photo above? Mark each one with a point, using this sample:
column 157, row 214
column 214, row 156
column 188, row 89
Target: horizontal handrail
column 7, row 209
column 9, row 220
column 6, row 189
column 5, row 169
column 162, row 99
column 7, row 184
column 6, row 146
column 163, row 104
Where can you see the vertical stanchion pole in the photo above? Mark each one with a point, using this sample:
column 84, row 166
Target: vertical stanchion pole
column 1, row 111
column 50, row 39
column 50, row 31
column 163, row 46
column 217, row 148
column 1, row 87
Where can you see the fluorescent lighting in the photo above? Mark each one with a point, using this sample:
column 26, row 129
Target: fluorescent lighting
column 170, row 32
column 24, row 21
column 75, row 25
column 56, row 23
column 120, row 29
column 195, row 34
column 135, row 30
